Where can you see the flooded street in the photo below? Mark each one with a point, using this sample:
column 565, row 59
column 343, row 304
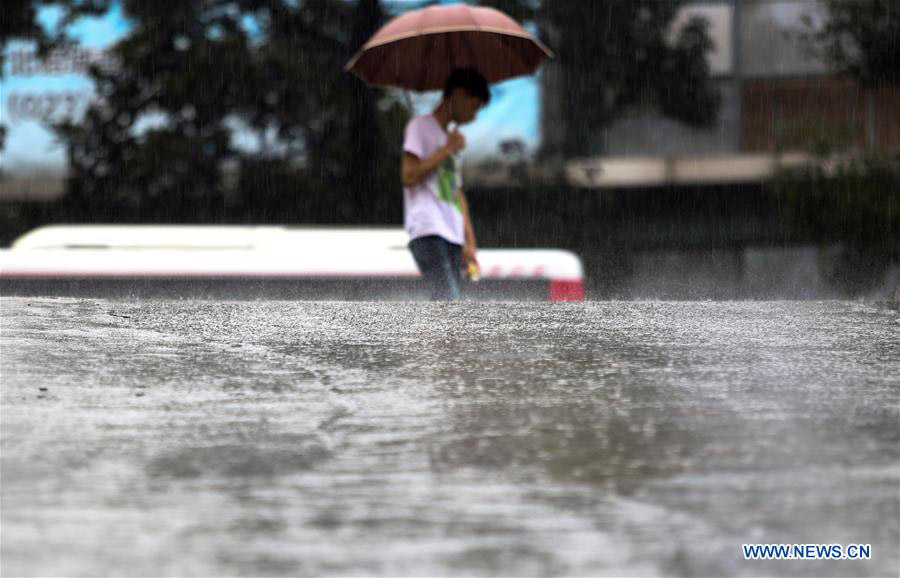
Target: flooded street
column 200, row 438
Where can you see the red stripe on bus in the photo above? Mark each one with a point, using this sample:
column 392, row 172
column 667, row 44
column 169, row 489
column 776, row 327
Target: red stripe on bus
column 566, row 290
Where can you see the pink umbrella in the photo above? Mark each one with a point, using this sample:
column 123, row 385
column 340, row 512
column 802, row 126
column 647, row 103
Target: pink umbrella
column 419, row 49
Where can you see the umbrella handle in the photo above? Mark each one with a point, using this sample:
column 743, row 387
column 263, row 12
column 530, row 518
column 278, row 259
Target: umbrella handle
column 451, row 126
column 454, row 158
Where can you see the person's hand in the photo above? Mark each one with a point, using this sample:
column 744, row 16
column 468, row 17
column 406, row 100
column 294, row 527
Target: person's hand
column 469, row 254
column 471, row 269
column 455, row 142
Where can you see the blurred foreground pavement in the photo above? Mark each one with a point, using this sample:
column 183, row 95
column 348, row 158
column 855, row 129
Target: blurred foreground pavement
column 281, row 438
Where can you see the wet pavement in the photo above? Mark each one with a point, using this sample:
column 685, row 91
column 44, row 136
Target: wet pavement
column 200, row 438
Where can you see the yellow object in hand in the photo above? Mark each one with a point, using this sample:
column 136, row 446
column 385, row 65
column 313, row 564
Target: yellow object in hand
column 473, row 272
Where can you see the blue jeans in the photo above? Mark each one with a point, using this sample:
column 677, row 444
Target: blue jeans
column 440, row 263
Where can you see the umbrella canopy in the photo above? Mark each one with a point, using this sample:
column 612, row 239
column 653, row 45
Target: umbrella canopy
column 419, row 49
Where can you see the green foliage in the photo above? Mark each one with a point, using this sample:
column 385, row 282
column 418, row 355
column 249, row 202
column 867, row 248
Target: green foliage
column 191, row 75
column 821, row 137
column 615, row 55
column 853, row 203
column 862, row 39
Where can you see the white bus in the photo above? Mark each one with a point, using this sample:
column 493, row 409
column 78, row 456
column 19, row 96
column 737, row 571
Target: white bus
column 199, row 261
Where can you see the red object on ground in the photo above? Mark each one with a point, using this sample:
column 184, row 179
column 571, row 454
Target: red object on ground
column 418, row 50
column 566, row 290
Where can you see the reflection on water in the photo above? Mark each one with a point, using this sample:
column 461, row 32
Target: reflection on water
column 278, row 438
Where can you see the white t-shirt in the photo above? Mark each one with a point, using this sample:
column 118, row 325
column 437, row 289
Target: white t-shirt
column 432, row 207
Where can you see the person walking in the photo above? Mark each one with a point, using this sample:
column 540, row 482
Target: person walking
column 461, row 49
column 436, row 212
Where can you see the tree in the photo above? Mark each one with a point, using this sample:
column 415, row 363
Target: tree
column 849, row 206
column 348, row 134
column 192, row 76
column 612, row 55
column 862, row 39
column 180, row 72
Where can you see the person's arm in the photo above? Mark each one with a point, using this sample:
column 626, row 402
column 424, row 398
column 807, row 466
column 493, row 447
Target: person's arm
column 415, row 170
column 470, row 249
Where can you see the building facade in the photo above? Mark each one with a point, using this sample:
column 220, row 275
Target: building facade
column 776, row 92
